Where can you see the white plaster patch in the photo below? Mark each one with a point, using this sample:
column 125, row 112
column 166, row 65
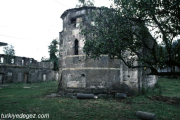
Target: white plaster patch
column 74, row 32
column 78, row 20
column 81, row 43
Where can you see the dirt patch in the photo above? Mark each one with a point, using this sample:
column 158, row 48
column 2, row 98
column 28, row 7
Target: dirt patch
column 169, row 100
column 26, row 87
column 53, row 95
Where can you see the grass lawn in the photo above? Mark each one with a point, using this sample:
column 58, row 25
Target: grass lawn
column 16, row 99
column 170, row 87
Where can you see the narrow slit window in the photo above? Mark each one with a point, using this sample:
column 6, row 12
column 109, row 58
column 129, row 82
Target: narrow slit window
column 76, row 47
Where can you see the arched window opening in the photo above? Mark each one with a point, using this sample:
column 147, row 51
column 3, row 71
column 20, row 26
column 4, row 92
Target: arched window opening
column 76, row 47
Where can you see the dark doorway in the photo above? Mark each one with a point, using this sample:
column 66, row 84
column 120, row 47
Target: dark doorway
column 1, row 78
column 26, row 77
column 76, row 47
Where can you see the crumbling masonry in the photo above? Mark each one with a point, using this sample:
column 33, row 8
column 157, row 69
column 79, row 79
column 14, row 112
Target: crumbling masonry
column 22, row 69
column 92, row 76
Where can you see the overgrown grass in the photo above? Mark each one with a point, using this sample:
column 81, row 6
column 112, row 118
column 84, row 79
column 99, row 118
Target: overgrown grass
column 170, row 87
column 16, row 99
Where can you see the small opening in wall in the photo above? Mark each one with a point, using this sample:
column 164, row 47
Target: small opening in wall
column 83, row 75
column 22, row 62
column 2, row 60
column 44, row 77
column 31, row 61
column 76, row 47
column 73, row 21
column 12, row 61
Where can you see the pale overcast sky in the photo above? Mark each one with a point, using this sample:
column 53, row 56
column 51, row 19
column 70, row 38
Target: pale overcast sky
column 30, row 25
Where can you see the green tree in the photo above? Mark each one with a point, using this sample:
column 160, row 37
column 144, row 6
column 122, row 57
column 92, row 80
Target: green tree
column 44, row 59
column 85, row 3
column 130, row 31
column 53, row 53
column 9, row 52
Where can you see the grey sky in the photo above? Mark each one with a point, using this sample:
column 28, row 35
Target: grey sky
column 30, row 25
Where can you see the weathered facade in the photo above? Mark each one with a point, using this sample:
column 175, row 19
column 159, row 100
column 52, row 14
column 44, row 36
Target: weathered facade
column 92, row 76
column 22, row 69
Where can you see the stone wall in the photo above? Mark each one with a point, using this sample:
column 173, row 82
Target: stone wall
column 25, row 70
column 23, row 61
column 94, row 76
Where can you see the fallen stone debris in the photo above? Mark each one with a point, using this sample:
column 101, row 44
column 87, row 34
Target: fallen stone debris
column 145, row 115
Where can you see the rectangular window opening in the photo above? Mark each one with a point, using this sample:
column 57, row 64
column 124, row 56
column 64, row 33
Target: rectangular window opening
column 73, row 21
column 12, row 61
column 31, row 61
column 44, row 77
column 2, row 60
column 22, row 62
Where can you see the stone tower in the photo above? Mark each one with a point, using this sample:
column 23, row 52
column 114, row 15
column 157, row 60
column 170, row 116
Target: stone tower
column 90, row 76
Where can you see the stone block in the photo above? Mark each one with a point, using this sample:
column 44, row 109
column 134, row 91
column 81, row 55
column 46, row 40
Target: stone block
column 76, row 60
column 85, row 96
column 146, row 115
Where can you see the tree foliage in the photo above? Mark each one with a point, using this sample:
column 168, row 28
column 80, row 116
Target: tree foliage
column 130, row 31
column 85, row 3
column 9, row 52
column 53, row 54
column 44, row 59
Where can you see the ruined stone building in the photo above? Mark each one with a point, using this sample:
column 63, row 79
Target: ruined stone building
column 92, row 76
column 22, row 69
